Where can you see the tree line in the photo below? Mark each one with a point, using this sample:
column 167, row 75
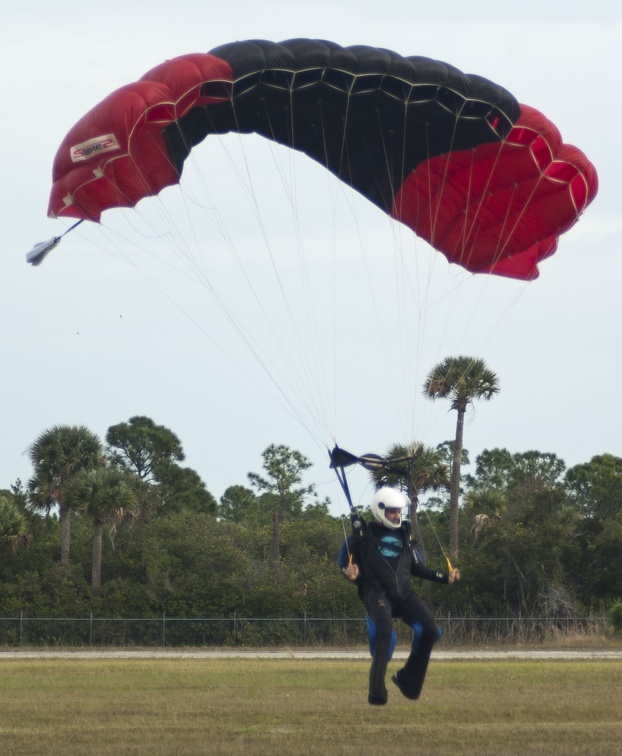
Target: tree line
column 145, row 535
column 121, row 528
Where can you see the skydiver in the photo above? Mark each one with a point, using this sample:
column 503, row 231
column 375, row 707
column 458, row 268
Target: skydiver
column 380, row 559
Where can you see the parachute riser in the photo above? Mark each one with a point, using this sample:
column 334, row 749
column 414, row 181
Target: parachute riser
column 355, row 518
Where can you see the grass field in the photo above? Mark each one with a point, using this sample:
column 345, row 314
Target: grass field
column 246, row 706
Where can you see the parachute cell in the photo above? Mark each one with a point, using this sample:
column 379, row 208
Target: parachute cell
column 486, row 181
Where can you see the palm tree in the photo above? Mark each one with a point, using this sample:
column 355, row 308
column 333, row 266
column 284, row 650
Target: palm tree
column 461, row 380
column 14, row 531
column 58, row 455
column 414, row 468
column 108, row 496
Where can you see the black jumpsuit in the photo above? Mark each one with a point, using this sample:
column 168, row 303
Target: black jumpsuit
column 386, row 561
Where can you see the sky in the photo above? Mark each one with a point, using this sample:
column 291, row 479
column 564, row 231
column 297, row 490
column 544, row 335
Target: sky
column 113, row 325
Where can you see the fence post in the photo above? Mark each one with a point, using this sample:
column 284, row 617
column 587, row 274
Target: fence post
column 21, row 626
column 304, row 629
column 163, row 629
column 235, row 628
column 91, row 630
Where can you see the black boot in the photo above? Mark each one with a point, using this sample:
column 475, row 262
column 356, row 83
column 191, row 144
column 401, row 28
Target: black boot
column 404, row 691
column 377, row 689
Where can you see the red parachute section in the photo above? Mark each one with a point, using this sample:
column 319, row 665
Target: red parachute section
column 116, row 154
column 500, row 208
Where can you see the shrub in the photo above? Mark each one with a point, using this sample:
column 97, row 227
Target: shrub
column 615, row 615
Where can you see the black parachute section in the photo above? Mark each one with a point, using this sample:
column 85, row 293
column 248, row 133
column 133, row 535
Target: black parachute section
column 317, row 97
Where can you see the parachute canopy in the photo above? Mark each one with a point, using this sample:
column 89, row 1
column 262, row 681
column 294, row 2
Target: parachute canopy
column 486, row 181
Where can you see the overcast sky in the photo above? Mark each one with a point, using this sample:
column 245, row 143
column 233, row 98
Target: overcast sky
column 109, row 327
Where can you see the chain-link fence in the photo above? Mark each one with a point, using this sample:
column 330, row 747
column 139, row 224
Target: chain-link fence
column 238, row 631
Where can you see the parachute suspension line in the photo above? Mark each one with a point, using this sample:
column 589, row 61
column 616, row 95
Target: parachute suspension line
column 420, row 292
column 312, row 376
column 335, row 197
column 434, row 208
column 265, row 362
column 316, row 373
column 175, row 303
column 343, row 187
column 268, row 365
column 299, row 374
column 506, row 231
column 157, row 147
column 347, row 194
column 468, row 239
column 468, row 243
column 304, row 369
column 344, row 162
column 189, row 317
column 344, row 157
column 465, row 233
column 414, row 292
column 334, row 298
column 345, row 540
column 195, row 261
column 179, row 245
column 281, row 396
column 523, row 210
column 443, row 552
column 454, row 300
column 504, row 238
column 425, row 282
column 407, row 397
column 307, row 372
column 399, row 384
column 411, row 337
column 436, row 203
column 410, row 342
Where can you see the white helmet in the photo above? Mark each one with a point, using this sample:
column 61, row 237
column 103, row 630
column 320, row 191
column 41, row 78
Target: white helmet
column 388, row 498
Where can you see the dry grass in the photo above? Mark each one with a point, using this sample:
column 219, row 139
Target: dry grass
column 236, row 706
